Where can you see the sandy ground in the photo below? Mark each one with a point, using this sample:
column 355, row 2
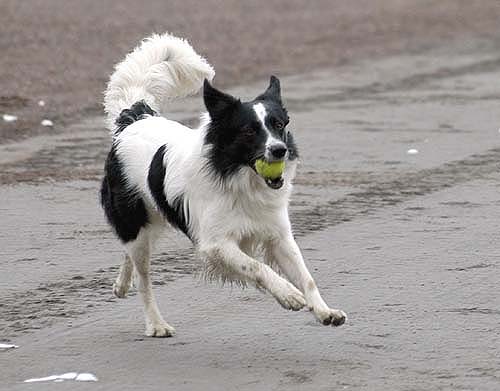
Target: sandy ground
column 405, row 244
column 63, row 52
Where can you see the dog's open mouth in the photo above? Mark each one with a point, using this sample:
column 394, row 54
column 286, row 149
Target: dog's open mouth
column 276, row 183
column 271, row 172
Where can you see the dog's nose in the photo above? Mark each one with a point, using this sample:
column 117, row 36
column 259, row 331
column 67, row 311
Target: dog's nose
column 278, row 151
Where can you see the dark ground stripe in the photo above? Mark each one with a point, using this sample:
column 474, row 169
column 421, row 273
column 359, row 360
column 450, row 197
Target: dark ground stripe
column 395, row 191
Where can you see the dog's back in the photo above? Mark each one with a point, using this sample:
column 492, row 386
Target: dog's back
column 162, row 68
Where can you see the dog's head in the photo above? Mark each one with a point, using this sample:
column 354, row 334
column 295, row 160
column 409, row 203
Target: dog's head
column 242, row 132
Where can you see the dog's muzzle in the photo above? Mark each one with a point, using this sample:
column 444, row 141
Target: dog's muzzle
column 274, row 179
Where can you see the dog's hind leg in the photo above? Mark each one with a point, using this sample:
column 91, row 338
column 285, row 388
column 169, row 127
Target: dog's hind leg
column 124, row 280
column 139, row 252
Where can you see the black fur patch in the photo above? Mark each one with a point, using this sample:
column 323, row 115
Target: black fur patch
column 173, row 211
column 237, row 140
column 293, row 151
column 124, row 208
column 137, row 111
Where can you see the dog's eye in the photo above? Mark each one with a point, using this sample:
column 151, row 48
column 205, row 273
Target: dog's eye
column 248, row 131
column 277, row 124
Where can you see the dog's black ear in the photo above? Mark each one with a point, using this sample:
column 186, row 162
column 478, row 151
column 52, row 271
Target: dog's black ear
column 273, row 91
column 217, row 102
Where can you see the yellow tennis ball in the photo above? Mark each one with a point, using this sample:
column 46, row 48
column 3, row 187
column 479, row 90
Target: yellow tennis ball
column 269, row 170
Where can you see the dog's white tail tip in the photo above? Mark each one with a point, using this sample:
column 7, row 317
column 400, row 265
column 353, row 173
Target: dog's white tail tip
column 162, row 68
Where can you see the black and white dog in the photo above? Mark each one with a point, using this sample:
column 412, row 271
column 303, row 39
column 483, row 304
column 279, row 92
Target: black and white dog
column 201, row 181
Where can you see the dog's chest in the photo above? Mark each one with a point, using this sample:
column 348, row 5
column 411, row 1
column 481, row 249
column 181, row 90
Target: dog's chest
column 243, row 217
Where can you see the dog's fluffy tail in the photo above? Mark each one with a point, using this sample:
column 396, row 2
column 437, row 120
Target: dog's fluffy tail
column 161, row 68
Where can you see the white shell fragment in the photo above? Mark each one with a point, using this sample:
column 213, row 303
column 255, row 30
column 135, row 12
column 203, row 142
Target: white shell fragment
column 5, row 346
column 86, row 377
column 412, row 151
column 47, row 378
column 9, row 118
column 68, row 376
column 65, row 376
column 47, row 122
column 41, row 103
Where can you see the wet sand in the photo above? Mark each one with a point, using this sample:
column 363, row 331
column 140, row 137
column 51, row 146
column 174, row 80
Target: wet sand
column 406, row 244
column 63, row 53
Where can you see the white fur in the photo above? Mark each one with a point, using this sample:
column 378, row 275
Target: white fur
column 161, row 68
column 261, row 112
column 231, row 222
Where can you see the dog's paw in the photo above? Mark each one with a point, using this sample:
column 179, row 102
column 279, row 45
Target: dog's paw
column 159, row 330
column 290, row 297
column 120, row 290
column 331, row 317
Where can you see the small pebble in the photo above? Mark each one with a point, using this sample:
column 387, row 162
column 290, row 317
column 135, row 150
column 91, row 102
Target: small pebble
column 9, row 118
column 41, row 103
column 47, row 122
column 412, row 151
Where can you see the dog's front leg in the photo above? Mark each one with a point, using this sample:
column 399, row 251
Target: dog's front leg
column 287, row 255
column 229, row 255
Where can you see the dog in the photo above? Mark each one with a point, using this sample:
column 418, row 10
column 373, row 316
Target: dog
column 203, row 182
